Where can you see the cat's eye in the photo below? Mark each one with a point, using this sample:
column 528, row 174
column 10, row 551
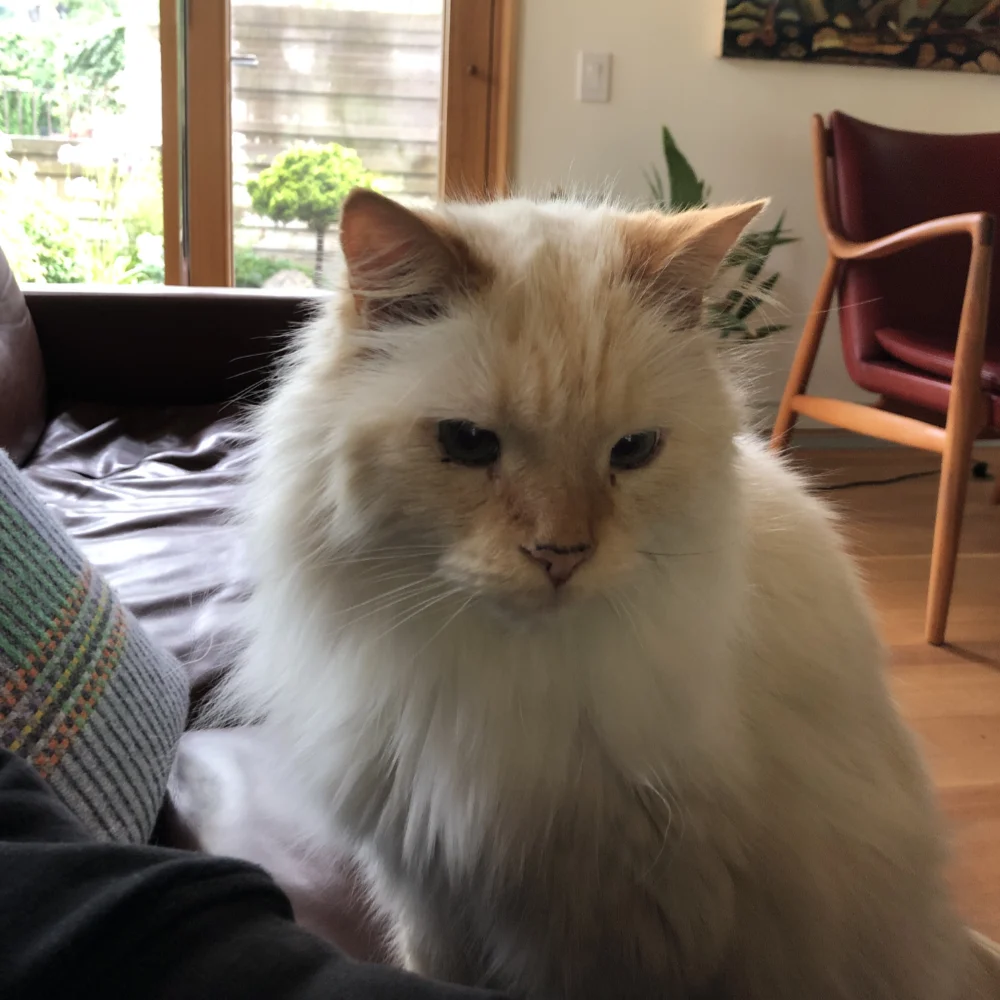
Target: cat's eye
column 463, row 442
column 635, row 450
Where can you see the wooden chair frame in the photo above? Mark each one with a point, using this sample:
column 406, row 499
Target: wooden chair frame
column 967, row 415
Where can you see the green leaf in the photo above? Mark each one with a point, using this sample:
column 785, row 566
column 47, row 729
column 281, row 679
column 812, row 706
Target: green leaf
column 655, row 181
column 762, row 246
column 731, row 301
column 756, row 247
column 686, row 190
column 751, row 302
column 766, row 331
column 726, row 322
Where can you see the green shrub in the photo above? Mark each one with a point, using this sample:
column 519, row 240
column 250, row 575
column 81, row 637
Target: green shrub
column 47, row 77
column 253, row 269
column 308, row 183
column 57, row 251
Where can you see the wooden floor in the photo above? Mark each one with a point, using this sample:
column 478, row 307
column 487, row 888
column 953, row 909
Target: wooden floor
column 951, row 694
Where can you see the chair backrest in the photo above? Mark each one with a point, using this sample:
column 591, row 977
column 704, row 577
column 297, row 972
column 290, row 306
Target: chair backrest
column 884, row 180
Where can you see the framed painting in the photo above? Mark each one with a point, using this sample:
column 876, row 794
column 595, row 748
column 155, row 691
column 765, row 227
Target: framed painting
column 919, row 34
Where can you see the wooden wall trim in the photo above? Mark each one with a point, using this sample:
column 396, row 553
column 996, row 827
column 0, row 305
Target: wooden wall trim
column 171, row 74
column 502, row 75
column 209, row 143
column 477, row 89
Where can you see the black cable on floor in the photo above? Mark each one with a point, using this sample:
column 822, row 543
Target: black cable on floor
column 980, row 470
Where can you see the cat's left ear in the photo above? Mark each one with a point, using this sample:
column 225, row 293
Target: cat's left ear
column 401, row 266
column 674, row 258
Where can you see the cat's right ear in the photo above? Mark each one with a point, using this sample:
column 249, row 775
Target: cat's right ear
column 401, row 267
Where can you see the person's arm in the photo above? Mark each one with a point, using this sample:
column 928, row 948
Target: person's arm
column 88, row 919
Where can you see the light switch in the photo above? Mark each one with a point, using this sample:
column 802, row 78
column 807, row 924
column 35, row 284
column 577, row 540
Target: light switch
column 593, row 76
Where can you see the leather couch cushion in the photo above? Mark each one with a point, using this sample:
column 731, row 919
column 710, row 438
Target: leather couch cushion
column 936, row 354
column 22, row 376
column 146, row 493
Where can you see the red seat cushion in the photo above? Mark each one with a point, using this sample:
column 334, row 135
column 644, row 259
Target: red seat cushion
column 935, row 353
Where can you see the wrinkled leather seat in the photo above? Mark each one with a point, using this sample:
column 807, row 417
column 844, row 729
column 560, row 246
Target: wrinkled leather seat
column 146, row 492
column 125, row 410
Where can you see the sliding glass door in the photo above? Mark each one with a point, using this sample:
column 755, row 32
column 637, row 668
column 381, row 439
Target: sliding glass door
column 327, row 95
column 210, row 142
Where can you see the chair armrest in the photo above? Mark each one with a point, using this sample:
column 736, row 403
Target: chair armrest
column 162, row 345
column 978, row 225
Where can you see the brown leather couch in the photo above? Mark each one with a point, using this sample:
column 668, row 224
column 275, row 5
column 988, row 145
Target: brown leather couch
column 124, row 409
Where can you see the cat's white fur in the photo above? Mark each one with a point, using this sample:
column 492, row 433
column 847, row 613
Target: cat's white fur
column 684, row 778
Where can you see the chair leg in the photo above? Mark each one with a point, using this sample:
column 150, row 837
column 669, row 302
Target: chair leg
column 965, row 419
column 947, row 529
column 805, row 357
column 996, row 488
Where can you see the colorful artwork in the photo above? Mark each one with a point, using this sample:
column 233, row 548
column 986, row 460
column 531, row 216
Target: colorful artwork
column 921, row 34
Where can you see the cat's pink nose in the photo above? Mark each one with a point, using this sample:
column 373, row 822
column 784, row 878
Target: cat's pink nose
column 560, row 562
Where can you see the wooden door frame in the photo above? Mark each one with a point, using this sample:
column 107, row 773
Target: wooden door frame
column 195, row 41
column 209, row 142
column 172, row 76
column 477, row 97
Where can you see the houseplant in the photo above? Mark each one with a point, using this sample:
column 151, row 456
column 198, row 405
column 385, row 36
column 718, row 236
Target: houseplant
column 733, row 314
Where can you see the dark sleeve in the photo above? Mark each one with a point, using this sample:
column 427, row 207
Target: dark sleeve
column 79, row 918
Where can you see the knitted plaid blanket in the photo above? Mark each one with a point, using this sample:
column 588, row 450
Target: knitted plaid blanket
column 84, row 695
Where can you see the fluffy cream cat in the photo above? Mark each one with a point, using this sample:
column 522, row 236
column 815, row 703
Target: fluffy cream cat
column 583, row 673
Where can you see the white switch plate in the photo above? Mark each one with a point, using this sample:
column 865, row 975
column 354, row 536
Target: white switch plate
column 593, row 76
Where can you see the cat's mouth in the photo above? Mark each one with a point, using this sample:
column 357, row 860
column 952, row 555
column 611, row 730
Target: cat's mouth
column 517, row 589
column 527, row 603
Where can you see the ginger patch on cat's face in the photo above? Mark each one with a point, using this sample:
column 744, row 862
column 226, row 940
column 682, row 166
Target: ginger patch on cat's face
column 538, row 526
column 543, row 483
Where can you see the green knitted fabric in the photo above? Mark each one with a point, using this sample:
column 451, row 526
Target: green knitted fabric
column 84, row 696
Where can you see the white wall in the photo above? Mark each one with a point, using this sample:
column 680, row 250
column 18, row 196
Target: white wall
column 743, row 124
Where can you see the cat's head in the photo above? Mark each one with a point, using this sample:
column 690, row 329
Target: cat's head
column 524, row 398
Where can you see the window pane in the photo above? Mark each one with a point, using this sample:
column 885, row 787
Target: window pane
column 348, row 89
column 80, row 191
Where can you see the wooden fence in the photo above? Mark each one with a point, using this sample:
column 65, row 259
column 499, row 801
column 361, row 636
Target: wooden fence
column 364, row 79
column 367, row 80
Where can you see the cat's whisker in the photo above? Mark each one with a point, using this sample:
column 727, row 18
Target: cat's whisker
column 628, row 614
column 469, row 600
column 394, row 574
column 359, row 560
column 418, row 593
column 671, row 555
column 350, row 560
column 418, row 610
column 611, row 603
column 407, row 547
column 412, row 585
column 659, row 793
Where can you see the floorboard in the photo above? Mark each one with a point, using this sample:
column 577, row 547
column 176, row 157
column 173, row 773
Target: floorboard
column 951, row 694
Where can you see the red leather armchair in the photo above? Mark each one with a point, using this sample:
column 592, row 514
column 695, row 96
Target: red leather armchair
column 909, row 220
